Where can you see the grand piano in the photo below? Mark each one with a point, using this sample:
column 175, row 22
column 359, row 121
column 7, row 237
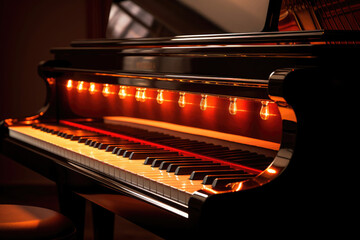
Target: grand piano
column 206, row 132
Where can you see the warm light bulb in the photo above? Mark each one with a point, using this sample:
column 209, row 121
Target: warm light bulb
column 122, row 92
column 80, row 86
column 69, row 84
column 160, row 96
column 92, row 88
column 181, row 101
column 271, row 170
column 106, row 90
column 232, row 106
column 203, row 102
column 264, row 111
column 138, row 94
column 143, row 95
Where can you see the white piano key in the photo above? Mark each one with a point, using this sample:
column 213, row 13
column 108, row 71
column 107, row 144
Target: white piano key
column 178, row 188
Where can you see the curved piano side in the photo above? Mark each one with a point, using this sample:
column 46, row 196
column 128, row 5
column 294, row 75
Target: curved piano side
column 208, row 204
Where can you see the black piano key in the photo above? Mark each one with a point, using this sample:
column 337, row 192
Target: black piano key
column 122, row 150
column 77, row 137
column 165, row 164
column 113, row 141
column 222, row 183
column 36, row 126
column 94, row 142
column 103, row 145
column 187, row 170
column 198, row 175
column 172, row 167
column 143, row 155
column 114, row 148
column 88, row 139
column 74, row 133
column 209, row 179
column 150, row 160
column 54, row 129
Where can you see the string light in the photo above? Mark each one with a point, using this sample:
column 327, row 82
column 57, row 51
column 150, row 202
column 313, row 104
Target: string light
column 140, row 94
column 92, row 88
column 122, row 92
column 69, row 84
column 233, row 106
column 181, row 101
column 106, row 90
column 80, row 86
column 143, row 95
column 203, row 102
column 264, row 111
column 160, row 96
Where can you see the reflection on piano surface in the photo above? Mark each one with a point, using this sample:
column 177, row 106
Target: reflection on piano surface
column 216, row 131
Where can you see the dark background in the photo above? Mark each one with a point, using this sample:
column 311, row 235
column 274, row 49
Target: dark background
column 29, row 29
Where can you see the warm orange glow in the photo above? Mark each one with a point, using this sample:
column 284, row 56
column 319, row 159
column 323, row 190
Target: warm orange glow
column 237, row 186
column 80, row 86
column 106, row 90
column 232, row 106
column 264, row 111
column 69, row 84
column 183, row 152
column 143, row 95
column 122, row 92
column 160, row 96
column 195, row 131
column 271, row 170
column 181, row 101
column 51, row 81
column 140, row 95
column 92, row 88
column 203, row 102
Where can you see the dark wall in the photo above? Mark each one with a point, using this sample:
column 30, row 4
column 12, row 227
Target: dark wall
column 28, row 30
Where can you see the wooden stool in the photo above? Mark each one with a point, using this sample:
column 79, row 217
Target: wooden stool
column 26, row 222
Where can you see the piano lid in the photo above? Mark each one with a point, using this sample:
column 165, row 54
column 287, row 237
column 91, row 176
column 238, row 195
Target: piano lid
column 168, row 18
column 141, row 18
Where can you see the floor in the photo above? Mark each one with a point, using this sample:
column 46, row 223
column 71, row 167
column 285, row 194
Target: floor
column 19, row 185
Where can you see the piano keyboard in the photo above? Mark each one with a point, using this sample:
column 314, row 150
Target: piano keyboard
column 172, row 172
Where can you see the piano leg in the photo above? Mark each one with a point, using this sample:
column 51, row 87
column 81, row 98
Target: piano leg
column 103, row 222
column 72, row 206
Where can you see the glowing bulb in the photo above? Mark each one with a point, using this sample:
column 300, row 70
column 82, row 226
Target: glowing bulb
column 138, row 94
column 106, row 90
column 181, row 101
column 50, row 80
column 143, row 95
column 69, row 84
column 160, row 96
column 232, row 106
column 271, row 170
column 122, row 92
column 203, row 102
column 80, row 86
column 92, row 88
column 264, row 111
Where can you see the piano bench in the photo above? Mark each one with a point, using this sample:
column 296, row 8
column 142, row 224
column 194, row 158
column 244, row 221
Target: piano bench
column 27, row 222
